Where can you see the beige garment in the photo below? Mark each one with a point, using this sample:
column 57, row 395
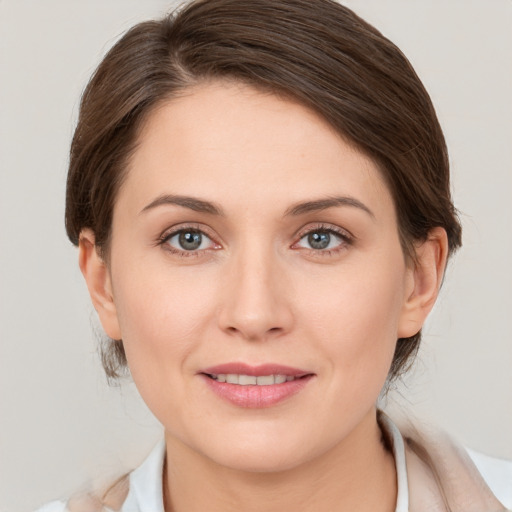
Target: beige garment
column 110, row 499
column 442, row 477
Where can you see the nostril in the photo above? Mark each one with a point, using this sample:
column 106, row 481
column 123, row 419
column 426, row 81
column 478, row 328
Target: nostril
column 254, row 320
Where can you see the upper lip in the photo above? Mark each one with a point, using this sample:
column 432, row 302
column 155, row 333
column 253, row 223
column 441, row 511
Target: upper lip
column 256, row 370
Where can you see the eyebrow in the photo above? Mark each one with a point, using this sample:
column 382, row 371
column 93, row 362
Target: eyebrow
column 329, row 202
column 198, row 205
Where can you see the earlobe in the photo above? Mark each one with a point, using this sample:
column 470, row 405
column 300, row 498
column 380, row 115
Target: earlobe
column 97, row 277
column 423, row 282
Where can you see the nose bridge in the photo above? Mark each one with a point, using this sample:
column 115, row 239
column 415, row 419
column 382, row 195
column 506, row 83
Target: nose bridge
column 255, row 302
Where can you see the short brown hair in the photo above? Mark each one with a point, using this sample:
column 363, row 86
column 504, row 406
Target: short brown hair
column 317, row 52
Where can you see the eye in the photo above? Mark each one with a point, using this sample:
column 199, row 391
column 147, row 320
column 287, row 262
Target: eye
column 323, row 239
column 319, row 240
column 188, row 240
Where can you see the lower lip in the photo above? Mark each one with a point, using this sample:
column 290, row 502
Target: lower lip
column 257, row 397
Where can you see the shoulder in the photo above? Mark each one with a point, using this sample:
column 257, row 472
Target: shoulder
column 497, row 473
column 137, row 491
column 111, row 497
column 455, row 475
column 54, row 506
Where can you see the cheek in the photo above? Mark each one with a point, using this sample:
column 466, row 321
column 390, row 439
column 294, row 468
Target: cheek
column 162, row 322
column 355, row 321
column 160, row 315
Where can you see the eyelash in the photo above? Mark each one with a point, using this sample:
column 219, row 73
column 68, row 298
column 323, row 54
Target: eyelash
column 346, row 239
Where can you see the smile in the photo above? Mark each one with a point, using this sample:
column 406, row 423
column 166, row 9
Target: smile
column 255, row 387
column 252, row 380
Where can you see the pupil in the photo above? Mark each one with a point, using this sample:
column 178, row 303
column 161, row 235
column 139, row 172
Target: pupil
column 190, row 240
column 319, row 240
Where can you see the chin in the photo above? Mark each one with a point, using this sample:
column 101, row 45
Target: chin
column 262, row 462
column 259, row 452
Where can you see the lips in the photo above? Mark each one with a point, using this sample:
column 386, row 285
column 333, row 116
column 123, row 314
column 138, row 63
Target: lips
column 255, row 386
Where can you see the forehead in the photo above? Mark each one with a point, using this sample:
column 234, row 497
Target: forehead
column 234, row 144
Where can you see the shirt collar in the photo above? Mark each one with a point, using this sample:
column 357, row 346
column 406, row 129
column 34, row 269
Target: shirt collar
column 146, row 483
column 398, row 448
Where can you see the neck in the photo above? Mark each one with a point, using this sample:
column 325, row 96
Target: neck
column 358, row 474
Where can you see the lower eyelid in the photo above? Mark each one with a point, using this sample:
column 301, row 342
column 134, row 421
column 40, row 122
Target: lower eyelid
column 185, row 254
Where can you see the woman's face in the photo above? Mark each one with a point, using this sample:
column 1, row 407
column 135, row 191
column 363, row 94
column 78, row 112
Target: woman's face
column 252, row 244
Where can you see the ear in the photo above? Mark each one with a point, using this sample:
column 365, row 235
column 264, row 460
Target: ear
column 423, row 282
column 99, row 283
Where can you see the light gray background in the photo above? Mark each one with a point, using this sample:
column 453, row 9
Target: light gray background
column 60, row 424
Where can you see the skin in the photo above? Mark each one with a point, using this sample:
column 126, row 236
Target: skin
column 256, row 291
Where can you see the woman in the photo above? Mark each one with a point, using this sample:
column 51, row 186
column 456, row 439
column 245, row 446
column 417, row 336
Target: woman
column 263, row 216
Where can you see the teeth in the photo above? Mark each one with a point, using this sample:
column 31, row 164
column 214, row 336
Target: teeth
column 252, row 380
column 245, row 380
column 265, row 380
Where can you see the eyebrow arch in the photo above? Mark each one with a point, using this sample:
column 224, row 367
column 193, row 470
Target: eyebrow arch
column 193, row 203
column 329, row 202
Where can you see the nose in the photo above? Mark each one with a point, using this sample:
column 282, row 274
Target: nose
column 255, row 302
